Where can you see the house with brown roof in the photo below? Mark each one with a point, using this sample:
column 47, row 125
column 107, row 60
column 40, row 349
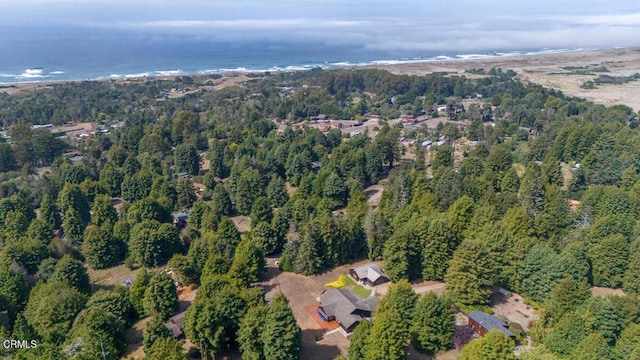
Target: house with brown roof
column 345, row 308
column 175, row 325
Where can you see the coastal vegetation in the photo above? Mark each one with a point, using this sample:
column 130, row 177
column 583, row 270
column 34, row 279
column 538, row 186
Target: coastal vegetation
column 543, row 200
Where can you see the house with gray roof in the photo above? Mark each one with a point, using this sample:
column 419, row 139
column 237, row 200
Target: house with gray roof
column 482, row 323
column 345, row 308
column 370, row 274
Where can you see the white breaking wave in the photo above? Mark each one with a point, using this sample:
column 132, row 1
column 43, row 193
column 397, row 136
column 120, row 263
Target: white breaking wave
column 35, row 73
column 168, row 72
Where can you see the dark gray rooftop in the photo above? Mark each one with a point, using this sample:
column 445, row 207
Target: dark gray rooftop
column 490, row 322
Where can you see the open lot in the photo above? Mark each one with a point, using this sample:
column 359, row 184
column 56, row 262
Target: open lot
column 304, row 290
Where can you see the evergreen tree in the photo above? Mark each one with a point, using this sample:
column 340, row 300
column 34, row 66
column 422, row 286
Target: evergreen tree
column 438, row 244
column 593, row 347
column 222, row 200
column 542, row 270
column 154, row 331
column 401, row 299
column 261, row 211
column 387, row 338
column 603, row 317
column 100, row 249
column 566, row 296
column 609, row 261
column 70, row 271
column 152, row 243
column 494, row 345
column 566, row 334
column 49, row 212
column 160, row 297
column 166, row 349
column 358, row 342
column 377, row 231
column 265, row 238
column 631, row 280
column 281, row 336
column 357, row 207
column 628, row 341
column 71, row 196
column 402, row 254
column 73, row 226
column 277, row 192
column 470, row 274
column 185, row 196
column 433, row 324
column 248, row 263
column 250, row 333
column 137, row 291
column 532, row 190
column 103, row 212
column 510, row 182
column 186, row 159
column 51, row 309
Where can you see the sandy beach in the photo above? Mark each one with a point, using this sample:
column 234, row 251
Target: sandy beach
column 565, row 71
column 550, row 70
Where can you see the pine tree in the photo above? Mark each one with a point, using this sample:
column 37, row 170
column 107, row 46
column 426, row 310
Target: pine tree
column 400, row 298
column 566, row 296
column 166, row 349
column 609, row 261
column 494, row 345
column 249, row 334
column 160, row 297
column 70, row 271
column 532, row 191
column 277, row 192
column 99, row 247
column 248, row 263
column 387, row 338
column 566, row 334
column 137, row 291
column 510, row 182
column 261, row 211
column 358, row 342
column 73, row 226
column 470, row 274
column 433, row 324
column 103, row 212
column 222, row 200
column 49, row 212
column 281, row 335
column 631, row 280
column 154, row 331
column 438, row 244
column 593, row 347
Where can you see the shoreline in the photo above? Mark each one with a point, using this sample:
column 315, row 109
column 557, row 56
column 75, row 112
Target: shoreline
column 562, row 70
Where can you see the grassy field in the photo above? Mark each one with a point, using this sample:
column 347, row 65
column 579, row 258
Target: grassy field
column 361, row 291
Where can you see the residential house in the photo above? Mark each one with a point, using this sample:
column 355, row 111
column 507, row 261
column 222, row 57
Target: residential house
column 345, row 308
column 175, row 325
column 481, row 323
column 369, row 274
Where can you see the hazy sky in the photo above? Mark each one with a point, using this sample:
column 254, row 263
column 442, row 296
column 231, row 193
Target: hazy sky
column 375, row 24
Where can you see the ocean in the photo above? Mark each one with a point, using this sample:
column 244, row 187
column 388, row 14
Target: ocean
column 61, row 53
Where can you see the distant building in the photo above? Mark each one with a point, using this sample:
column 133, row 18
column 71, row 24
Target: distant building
column 481, row 323
column 346, row 309
column 175, row 325
column 369, row 274
column 180, row 219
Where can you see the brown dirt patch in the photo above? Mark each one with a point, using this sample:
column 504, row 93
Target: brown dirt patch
column 514, row 309
column 604, row 291
column 243, row 223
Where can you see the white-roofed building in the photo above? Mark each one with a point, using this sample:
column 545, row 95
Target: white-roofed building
column 370, row 274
